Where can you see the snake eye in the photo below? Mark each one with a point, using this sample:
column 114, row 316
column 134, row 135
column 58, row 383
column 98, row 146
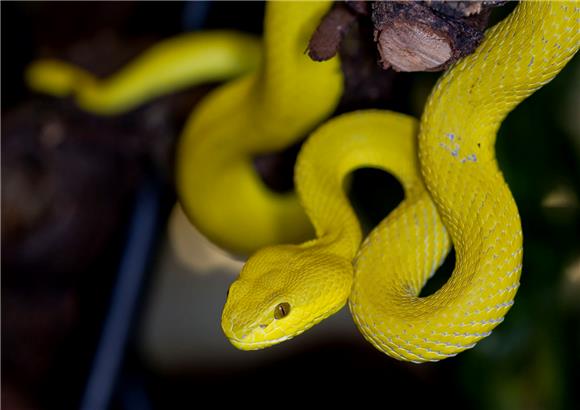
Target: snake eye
column 281, row 310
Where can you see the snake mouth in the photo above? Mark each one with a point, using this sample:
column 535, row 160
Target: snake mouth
column 257, row 345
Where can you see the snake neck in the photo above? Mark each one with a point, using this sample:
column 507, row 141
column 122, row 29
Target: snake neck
column 333, row 152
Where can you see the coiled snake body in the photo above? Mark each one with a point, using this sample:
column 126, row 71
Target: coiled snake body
column 454, row 191
column 284, row 290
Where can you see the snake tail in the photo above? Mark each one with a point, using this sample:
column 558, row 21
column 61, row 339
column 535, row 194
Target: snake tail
column 168, row 66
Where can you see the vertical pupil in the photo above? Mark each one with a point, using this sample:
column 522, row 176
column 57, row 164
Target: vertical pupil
column 281, row 310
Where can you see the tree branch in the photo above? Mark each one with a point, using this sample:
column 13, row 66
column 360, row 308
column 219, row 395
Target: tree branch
column 411, row 35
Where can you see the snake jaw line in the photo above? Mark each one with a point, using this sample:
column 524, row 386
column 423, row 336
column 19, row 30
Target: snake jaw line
column 257, row 345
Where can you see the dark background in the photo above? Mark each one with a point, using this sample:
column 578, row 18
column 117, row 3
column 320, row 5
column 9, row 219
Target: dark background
column 76, row 188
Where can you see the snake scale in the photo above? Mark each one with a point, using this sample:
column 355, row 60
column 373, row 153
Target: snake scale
column 454, row 190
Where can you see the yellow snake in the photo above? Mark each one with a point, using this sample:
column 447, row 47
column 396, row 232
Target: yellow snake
column 283, row 290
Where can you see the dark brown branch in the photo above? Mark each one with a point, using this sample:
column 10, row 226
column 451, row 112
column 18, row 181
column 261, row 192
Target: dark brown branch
column 411, row 35
column 326, row 40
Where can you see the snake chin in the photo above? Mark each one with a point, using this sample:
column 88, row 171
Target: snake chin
column 257, row 345
column 281, row 292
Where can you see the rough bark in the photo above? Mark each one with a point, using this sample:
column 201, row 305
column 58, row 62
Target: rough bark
column 411, row 36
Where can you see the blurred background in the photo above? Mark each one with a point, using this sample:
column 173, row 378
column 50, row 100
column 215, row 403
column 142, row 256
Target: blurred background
column 111, row 299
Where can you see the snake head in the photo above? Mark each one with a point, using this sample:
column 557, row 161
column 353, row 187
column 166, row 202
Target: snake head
column 283, row 291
